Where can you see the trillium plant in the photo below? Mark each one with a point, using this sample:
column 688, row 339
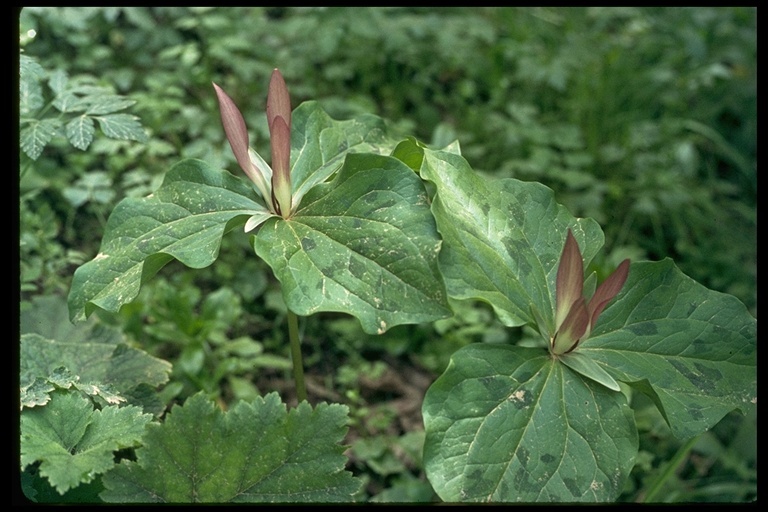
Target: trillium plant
column 390, row 231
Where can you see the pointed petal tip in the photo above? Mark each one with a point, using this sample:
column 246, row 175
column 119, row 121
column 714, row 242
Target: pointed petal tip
column 569, row 286
column 608, row 290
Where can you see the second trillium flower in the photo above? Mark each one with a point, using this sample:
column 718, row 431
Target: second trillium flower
column 575, row 315
column 272, row 182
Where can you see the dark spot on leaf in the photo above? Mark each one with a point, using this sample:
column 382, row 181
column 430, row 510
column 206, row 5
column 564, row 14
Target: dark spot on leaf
column 371, row 197
column 547, row 458
column 643, row 329
column 699, row 345
column 523, row 481
column 571, row 485
column 703, row 378
column 692, row 307
column 523, row 455
column 357, row 268
column 711, row 374
column 695, row 413
column 308, row 244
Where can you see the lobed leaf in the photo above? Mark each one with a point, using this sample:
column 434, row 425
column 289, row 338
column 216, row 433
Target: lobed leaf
column 74, row 442
column 256, row 452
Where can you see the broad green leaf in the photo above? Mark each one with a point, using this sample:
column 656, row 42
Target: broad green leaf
column 74, row 442
column 95, row 353
column 121, row 126
column 693, row 350
column 319, row 144
column 502, row 239
column 512, row 424
column 363, row 244
column 255, row 452
column 80, row 131
column 184, row 219
column 36, row 135
column 187, row 216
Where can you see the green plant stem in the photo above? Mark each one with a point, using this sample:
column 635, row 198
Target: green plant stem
column 672, row 466
column 298, row 365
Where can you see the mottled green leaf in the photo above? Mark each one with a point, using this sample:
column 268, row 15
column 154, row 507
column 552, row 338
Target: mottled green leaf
column 512, row 424
column 184, row 219
column 502, row 239
column 690, row 349
column 255, row 452
column 363, row 244
column 319, row 144
column 693, row 350
column 95, row 353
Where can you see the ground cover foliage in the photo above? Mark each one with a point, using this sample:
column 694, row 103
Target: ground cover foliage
column 641, row 119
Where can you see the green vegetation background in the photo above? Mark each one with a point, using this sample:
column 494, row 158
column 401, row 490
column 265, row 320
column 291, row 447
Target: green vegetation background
column 642, row 118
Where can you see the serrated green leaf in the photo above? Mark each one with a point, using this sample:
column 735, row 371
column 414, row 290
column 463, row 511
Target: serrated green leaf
column 36, row 135
column 118, row 366
column 695, row 348
column 101, row 105
column 363, row 244
column 121, row 126
column 502, row 239
column 512, row 424
column 184, row 219
column 58, row 80
column 80, row 131
column 256, row 452
column 38, row 393
column 95, row 353
column 68, row 102
column 73, row 442
column 30, row 90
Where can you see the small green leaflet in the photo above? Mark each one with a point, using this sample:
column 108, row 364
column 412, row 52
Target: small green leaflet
column 74, row 442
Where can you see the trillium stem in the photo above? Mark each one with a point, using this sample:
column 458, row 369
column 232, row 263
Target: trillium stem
column 298, row 364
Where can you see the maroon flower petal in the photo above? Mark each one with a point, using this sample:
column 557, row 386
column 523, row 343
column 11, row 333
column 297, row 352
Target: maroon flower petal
column 570, row 279
column 235, row 129
column 281, row 171
column 607, row 291
column 573, row 328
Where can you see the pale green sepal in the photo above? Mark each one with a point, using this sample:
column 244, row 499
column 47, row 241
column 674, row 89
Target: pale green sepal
column 256, row 220
column 584, row 365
